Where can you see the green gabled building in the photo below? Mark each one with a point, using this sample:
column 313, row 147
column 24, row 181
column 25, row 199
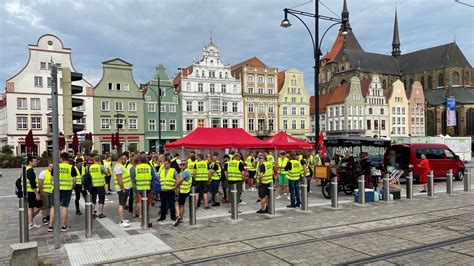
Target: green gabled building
column 118, row 108
column 170, row 112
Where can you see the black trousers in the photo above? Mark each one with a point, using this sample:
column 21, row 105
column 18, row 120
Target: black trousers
column 78, row 190
column 167, row 202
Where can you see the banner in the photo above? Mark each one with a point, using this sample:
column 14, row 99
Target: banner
column 451, row 112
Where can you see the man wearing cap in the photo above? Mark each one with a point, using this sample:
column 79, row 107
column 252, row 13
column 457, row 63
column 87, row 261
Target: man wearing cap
column 295, row 171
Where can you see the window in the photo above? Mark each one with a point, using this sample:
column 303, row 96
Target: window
column 151, row 107
column 200, row 87
column 105, row 106
column 43, row 65
column 163, row 108
column 337, row 110
column 235, row 123
column 22, row 122
column 349, row 124
column 350, row 109
column 250, row 108
column 172, row 125
column 234, row 108
column 250, row 89
column 361, row 126
column 376, row 125
column 21, row 103
column 293, row 124
column 117, row 86
column 162, row 92
column 285, row 124
column 370, row 111
column 50, row 104
column 225, row 123
column 200, row 106
column 430, row 82
column 271, row 80
column 285, row 110
column 303, row 111
column 270, row 91
column 201, row 123
column 293, row 99
column 336, row 125
column 118, row 106
column 203, row 74
column 330, row 112
column 382, row 124
column 260, row 90
column 132, row 106
column 369, row 124
column 111, row 87
column 250, row 78
column 398, row 110
column 303, row 124
column 261, row 108
column 152, row 125
column 440, row 80
column 212, row 88
column 224, row 107
column 105, row 123
column 342, row 110
column 293, row 110
column 381, row 111
column 189, row 106
column 38, row 82
column 36, row 123
column 403, row 110
column 455, row 78
column 215, row 105
column 119, row 123
column 271, row 108
column 132, row 123
column 189, row 125
column 223, row 88
column 163, row 125
column 172, row 108
column 126, row 87
column 251, row 125
column 261, row 79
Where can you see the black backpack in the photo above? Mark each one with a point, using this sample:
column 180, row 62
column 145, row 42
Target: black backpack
column 18, row 188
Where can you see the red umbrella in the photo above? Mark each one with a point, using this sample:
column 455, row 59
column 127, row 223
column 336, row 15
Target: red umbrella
column 117, row 140
column 112, row 142
column 62, row 141
column 89, row 136
column 29, row 141
column 75, row 143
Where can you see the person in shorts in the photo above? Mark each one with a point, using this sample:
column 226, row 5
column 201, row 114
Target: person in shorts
column 98, row 185
column 184, row 182
column 201, row 180
column 45, row 184
column 282, row 179
column 251, row 166
column 123, row 182
column 33, row 194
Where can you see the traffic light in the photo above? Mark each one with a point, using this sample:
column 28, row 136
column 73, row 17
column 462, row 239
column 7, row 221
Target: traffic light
column 69, row 102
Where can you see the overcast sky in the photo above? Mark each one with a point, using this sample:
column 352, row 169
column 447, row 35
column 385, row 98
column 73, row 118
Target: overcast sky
column 172, row 32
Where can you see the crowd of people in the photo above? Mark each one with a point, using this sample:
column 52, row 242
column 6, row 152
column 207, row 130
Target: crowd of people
column 166, row 180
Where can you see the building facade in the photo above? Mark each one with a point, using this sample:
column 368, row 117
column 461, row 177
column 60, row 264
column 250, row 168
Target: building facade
column 376, row 110
column 398, row 112
column 293, row 109
column 260, row 96
column 210, row 95
column 353, row 112
column 170, row 112
column 416, row 103
column 28, row 103
column 118, row 108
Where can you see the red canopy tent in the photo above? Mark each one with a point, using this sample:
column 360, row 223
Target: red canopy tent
column 219, row 138
column 283, row 141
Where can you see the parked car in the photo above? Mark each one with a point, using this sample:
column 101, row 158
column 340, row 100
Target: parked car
column 407, row 157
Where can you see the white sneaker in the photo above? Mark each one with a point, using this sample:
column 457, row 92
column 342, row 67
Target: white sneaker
column 311, row 192
column 243, row 203
column 288, row 197
column 33, row 226
column 278, row 197
column 124, row 224
column 284, row 194
column 127, row 221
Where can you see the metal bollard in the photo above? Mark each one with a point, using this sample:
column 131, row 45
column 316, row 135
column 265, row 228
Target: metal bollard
column 304, row 194
column 89, row 213
column 23, row 212
column 145, row 211
column 449, row 181
column 334, row 199
column 386, row 188
column 192, row 206
column 430, row 184
column 410, row 185
column 233, row 202
column 467, row 180
column 361, row 189
column 271, row 199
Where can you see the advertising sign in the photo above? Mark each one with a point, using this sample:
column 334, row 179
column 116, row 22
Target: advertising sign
column 451, row 112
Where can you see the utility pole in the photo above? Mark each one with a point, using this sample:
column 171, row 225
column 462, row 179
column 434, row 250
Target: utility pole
column 57, row 211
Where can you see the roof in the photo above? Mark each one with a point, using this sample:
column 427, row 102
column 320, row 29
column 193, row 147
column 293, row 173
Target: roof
column 438, row 96
column 364, row 86
column 281, row 80
column 218, row 138
column 254, row 61
column 117, row 59
column 373, row 62
column 339, row 95
column 283, row 141
column 184, row 72
column 348, row 41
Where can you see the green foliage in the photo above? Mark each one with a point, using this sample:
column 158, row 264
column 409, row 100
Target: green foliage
column 7, row 149
column 86, row 145
column 132, row 148
column 94, row 153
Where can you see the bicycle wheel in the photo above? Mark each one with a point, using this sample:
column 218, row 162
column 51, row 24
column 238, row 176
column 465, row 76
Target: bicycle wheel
column 348, row 189
column 327, row 190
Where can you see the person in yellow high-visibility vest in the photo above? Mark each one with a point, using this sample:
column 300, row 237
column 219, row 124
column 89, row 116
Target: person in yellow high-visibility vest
column 98, row 185
column 201, row 180
column 79, row 188
column 34, row 202
column 215, row 176
column 184, row 182
column 107, row 162
column 282, row 175
column 251, row 166
column 235, row 172
column 123, row 182
column 45, row 185
column 168, row 178
column 265, row 175
column 295, row 171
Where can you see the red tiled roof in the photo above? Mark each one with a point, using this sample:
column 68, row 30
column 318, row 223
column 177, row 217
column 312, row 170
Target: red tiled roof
column 254, row 61
column 177, row 80
column 281, row 80
column 339, row 95
column 364, row 86
column 336, row 48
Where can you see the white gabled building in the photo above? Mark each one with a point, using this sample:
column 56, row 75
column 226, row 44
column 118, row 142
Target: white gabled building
column 376, row 109
column 28, row 97
column 211, row 96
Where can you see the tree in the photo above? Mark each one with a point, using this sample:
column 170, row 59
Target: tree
column 7, row 149
column 86, row 145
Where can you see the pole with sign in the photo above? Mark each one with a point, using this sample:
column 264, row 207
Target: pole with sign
column 451, row 112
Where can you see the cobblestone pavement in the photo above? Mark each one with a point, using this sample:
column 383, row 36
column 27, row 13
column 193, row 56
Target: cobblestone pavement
column 319, row 236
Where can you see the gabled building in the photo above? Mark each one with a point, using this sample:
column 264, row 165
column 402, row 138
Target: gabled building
column 376, row 108
column 260, row 95
column 416, row 103
column 28, row 104
column 118, row 108
column 211, row 96
column 294, row 105
column 398, row 112
column 170, row 113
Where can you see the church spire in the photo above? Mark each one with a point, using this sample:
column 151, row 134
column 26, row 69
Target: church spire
column 396, row 38
column 345, row 16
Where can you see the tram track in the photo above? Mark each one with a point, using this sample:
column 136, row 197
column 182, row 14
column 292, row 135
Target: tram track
column 338, row 236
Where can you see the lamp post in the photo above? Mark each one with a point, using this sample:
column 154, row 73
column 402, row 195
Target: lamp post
column 119, row 116
column 285, row 23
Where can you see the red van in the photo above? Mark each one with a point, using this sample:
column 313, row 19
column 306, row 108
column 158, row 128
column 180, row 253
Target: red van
column 408, row 156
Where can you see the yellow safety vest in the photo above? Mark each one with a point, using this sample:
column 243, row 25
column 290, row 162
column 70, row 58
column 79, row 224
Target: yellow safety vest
column 28, row 185
column 79, row 174
column 47, row 182
column 96, row 175
column 202, row 173
column 191, row 164
column 143, row 176
column 282, row 163
column 185, row 186
column 296, row 170
column 126, row 179
column 231, row 157
column 233, row 172
column 66, row 181
column 217, row 174
column 268, row 175
column 249, row 164
column 167, row 181
column 270, row 159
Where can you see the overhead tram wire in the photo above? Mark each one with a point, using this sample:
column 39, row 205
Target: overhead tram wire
column 330, row 10
column 310, row 1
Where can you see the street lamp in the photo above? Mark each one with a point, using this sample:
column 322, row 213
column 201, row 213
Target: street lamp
column 119, row 125
column 285, row 23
